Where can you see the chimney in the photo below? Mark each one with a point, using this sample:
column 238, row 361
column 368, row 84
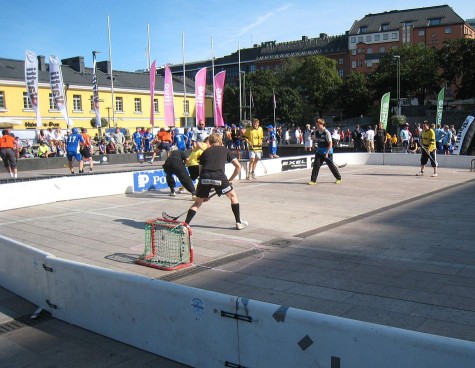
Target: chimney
column 41, row 63
column 104, row 66
column 76, row 63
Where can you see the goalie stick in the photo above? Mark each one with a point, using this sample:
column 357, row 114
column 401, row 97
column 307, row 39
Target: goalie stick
column 259, row 159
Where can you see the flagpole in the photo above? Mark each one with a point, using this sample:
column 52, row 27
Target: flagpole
column 240, row 90
column 274, row 103
column 148, row 46
column 212, row 73
column 111, row 74
column 184, row 77
column 250, row 103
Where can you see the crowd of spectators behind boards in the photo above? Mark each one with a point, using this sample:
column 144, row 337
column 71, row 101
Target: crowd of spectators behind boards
column 372, row 138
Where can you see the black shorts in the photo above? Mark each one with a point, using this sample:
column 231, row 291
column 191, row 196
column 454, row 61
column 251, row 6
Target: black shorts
column 216, row 181
column 86, row 152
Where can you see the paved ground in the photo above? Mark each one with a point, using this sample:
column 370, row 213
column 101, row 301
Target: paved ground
column 385, row 246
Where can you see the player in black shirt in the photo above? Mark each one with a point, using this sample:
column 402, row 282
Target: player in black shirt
column 213, row 176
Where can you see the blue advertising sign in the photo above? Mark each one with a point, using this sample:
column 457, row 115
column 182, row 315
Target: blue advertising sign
column 151, row 180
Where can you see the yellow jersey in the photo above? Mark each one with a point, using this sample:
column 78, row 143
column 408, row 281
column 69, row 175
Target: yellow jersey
column 255, row 137
column 194, row 158
column 428, row 139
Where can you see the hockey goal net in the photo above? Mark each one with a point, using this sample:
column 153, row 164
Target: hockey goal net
column 167, row 245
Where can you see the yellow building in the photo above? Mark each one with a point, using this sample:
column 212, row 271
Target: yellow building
column 129, row 108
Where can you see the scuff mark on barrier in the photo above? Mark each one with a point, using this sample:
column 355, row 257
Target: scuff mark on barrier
column 279, row 314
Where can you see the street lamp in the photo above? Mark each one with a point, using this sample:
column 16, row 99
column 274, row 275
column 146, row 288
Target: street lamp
column 240, row 94
column 398, row 66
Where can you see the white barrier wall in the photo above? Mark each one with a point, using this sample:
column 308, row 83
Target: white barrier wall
column 21, row 271
column 31, row 193
column 201, row 328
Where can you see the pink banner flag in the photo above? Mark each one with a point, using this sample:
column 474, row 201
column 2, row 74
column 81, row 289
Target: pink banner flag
column 95, row 92
column 168, row 98
column 153, row 70
column 31, row 80
column 218, row 98
column 200, row 93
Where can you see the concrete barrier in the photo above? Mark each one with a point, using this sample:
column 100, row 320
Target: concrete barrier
column 21, row 271
column 202, row 328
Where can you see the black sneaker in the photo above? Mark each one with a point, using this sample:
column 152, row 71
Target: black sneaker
column 81, row 171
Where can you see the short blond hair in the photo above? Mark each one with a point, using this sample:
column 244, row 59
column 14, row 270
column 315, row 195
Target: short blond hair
column 215, row 138
column 321, row 121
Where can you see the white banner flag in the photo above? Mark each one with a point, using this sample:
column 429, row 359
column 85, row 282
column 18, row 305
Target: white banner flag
column 31, row 80
column 57, row 88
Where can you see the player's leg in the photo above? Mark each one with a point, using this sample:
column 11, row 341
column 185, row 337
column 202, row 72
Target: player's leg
column 333, row 168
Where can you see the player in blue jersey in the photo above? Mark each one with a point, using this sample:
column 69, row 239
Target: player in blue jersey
column 323, row 153
column 272, row 142
column 188, row 137
column 137, row 139
column 147, row 140
column 73, row 145
column 179, row 139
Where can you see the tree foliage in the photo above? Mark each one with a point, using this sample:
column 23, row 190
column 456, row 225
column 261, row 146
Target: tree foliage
column 355, row 96
column 418, row 73
column 457, row 59
column 104, row 123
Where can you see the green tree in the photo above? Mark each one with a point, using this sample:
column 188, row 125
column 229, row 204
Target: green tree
column 355, row 97
column 419, row 77
column 263, row 84
column 456, row 58
column 231, row 104
column 288, row 105
column 104, row 123
column 317, row 82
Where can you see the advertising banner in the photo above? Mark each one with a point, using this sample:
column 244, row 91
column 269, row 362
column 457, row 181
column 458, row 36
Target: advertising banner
column 200, row 93
column 57, row 87
column 218, row 98
column 383, row 115
column 168, row 98
column 31, row 80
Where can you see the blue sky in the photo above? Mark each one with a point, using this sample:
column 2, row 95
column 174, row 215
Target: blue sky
column 76, row 28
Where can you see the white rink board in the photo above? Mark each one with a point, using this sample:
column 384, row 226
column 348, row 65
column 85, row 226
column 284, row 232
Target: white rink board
column 21, row 271
column 174, row 321
column 281, row 337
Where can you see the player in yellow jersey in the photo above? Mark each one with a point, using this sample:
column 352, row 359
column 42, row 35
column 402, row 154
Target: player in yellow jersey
column 254, row 137
column 428, row 148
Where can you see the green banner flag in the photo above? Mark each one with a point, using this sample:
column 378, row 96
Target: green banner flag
column 440, row 108
column 383, row 115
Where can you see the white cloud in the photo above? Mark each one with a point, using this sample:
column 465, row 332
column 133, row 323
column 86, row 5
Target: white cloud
column 262, row 18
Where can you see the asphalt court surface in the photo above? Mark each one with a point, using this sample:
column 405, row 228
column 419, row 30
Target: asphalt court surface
column 384, row 246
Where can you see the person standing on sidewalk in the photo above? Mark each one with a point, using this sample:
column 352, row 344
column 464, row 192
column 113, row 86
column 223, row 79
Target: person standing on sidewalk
column 119, row 140
column 323, row 153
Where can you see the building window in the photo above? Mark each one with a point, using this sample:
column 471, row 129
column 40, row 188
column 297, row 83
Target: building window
column 369, row 63
column 360, row 39
column 448, row 29
column 353, row 52
column 377, row 37
column 434, row 22
column 422, row 32
column 369, row 50
column 138, row 104
column 52, row 103
column 359, row 50
column 363, row 29
column 385, row 36
column 119, row 104
column 407, row 24
column 155, row 106
column 382, row 50
column 2, row 99
column 340, row 72
column 340, row 61
column 77, row 103
column 353, row 64
column 353, row 39
column 394, row 35
column 368, row 38
column 186, row 107
column 384, row 27
column 26, row 101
